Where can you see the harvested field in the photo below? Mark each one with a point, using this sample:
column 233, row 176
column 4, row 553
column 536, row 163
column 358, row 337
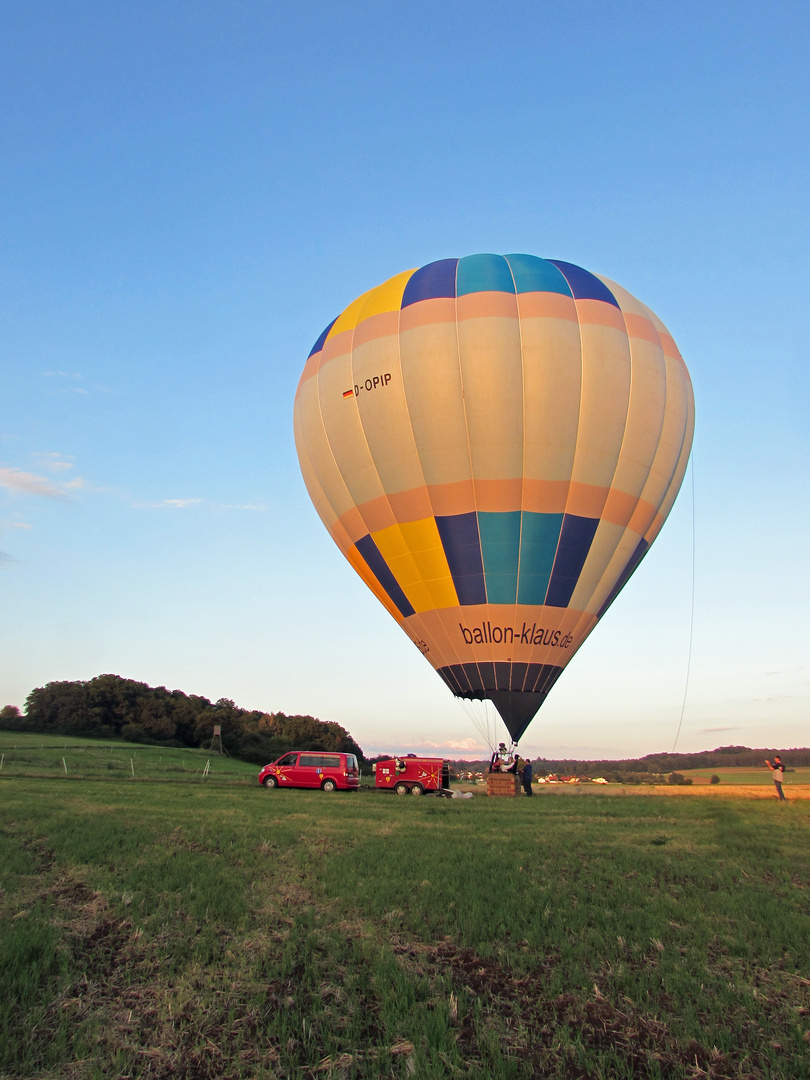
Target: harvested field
column 722, row 791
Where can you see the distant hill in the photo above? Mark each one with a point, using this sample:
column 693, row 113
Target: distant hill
column 724, row 757
column 112, row 707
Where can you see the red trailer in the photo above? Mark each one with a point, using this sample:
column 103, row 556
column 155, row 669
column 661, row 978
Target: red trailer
column 412, row 775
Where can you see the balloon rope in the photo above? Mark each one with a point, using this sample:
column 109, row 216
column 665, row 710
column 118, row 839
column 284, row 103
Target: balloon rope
column 489, row 720
column 490, row 726
column 480, row 725
column 692, row 616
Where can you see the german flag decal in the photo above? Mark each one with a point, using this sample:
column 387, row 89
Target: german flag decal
column 348, row 393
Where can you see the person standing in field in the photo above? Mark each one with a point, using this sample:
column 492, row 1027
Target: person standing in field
column 526, row 777
column 778, row 771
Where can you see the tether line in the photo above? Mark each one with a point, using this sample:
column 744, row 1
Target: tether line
column 692, row 615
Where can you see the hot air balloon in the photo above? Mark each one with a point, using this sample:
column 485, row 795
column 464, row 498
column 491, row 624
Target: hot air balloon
column 494, row 442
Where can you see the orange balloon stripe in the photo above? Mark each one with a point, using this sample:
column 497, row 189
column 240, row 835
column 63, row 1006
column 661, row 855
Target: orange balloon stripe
column 447, row 500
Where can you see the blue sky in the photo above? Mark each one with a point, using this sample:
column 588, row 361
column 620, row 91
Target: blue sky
column 191, row 191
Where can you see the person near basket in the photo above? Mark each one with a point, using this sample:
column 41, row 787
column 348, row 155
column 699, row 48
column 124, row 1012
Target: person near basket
column 526, row 777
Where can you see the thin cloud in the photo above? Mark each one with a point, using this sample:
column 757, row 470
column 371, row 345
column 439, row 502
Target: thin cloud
column 20, row 482
column 467, row 746
column 5, row 557
column 188, row 503
column 69, row 381
column 177, row 504
column 184, row 504
column 54, row 461
column 715, row 730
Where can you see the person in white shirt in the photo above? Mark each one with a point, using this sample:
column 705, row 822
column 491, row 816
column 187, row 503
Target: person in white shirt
column 778, row 771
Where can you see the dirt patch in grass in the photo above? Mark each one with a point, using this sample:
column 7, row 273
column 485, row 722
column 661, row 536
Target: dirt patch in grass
column 203, row 1026
column 130, row 1017
column 543, row 1031
column 38, row 849
column 123, row 1015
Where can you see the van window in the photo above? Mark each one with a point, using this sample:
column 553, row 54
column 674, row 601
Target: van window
column 288, row 759
column 320, row 761
column 351, row 761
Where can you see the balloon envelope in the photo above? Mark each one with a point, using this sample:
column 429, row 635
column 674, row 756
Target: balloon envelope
column 494, row 442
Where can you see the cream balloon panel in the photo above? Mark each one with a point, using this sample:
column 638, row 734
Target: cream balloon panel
column 603, row 401
column 321, row 475
column 641, row 433
column 683, row 459
column 552, row 387
column 492, row 393
column 434, row 393
column 344, row 430
column 494, row 443
column 385, row 420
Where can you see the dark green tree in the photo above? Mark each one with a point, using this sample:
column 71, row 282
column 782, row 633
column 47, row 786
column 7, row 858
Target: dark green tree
column 11, row 718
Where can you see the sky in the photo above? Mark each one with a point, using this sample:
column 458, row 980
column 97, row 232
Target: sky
column 190, row 191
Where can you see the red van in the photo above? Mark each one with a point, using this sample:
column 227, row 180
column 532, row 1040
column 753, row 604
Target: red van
column 412, row 775
column 312, row 769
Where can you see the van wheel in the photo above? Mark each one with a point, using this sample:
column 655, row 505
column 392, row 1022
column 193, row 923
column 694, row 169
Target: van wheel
column 329, row 785
column 401, row 789
column 417, row 789
column 270, row 781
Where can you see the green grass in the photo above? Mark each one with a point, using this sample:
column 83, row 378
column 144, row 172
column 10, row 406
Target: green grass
column 155, row 929
column 63, row 757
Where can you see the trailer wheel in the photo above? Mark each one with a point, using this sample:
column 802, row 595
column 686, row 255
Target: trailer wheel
column 270, row 781
column 401, row 789
column 417, row 789
column 329, row 785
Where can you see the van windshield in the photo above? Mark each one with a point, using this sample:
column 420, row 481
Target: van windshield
column 351, row 761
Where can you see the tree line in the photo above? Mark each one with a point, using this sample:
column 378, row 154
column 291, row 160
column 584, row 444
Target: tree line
column 111, row 707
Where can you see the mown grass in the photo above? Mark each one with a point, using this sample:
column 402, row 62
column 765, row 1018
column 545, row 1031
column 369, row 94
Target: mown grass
column 194, row 931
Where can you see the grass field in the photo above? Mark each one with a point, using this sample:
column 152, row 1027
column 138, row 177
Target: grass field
column 23, row 754
column 172, row 926
column 798, row 776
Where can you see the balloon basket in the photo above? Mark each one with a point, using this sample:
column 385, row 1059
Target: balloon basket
column 503, row 784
